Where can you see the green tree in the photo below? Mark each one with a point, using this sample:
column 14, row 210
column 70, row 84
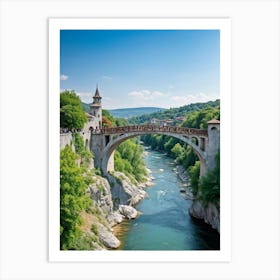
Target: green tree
column 199, row 119
column 188, row 157
column 72, row 115
column 121, row 122
column 194, row 172
column 69, row 98
column 128, row 159
column 210, row 185
column 72, row 198
column 169, row 144
column 177, row 150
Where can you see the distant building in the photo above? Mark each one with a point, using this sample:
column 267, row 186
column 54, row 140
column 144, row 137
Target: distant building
column 162, row 123
column 165, row 122
column 169, row 122
column 154, row 121
column 180, row 119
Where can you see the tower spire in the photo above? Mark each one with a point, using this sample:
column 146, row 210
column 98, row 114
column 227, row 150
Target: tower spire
column 97, row 92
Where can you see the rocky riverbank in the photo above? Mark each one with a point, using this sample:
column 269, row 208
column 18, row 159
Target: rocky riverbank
column 209, row 214
column 184, row 177
column 182, row 173
column 113, row 200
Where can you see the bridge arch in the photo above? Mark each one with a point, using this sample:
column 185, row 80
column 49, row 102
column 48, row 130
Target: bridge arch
column 114, row 137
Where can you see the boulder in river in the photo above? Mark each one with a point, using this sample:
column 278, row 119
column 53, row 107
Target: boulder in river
column 128, row 211
column 115, row 218
column 107, row 238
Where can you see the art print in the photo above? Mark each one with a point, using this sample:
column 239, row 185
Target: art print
column 138, row 168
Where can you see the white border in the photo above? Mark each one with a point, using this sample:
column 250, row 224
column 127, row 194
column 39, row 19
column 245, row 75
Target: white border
column 224, row 25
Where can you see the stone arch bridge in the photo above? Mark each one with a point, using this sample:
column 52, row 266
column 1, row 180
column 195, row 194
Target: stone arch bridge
column 205, row 143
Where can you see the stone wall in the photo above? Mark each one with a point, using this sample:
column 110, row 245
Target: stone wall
column 65, row 139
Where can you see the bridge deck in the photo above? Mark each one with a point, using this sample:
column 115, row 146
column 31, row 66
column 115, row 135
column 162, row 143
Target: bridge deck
column 153, row 128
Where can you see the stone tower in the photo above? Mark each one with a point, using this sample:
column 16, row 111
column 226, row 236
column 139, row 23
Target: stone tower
column 96, row 108
column 213, row 143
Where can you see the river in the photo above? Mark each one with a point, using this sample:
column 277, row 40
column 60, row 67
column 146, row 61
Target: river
column 165, row 223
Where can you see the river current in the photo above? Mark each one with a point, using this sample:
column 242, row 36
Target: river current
column 165, row 223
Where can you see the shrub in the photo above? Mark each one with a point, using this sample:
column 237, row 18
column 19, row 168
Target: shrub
column 210, row 185
column 194, row 172
column 94, row 229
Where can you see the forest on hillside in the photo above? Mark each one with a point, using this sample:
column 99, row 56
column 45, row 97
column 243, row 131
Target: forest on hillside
column 174, row 113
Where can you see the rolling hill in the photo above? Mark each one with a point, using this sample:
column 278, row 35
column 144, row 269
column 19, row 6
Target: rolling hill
column 174, row 113
column 133, row 112
column 142, row 115
column 129, row 112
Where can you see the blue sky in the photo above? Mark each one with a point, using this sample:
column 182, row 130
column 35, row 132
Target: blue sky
column 136, row 68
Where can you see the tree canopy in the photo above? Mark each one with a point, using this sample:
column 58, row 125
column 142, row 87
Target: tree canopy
column 72, row 198
column 72, row 115
column 128, row 159
column 199, row 119
column 172, row 113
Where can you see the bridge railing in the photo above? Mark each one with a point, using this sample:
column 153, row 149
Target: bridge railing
column 154, row 128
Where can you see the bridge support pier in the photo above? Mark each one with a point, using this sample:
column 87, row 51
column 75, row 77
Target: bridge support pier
column 111, row 162
column 213, row 144
column 97, row 146
column 203, row 168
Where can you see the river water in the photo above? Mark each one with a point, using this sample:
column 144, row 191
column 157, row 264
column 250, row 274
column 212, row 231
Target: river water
column 165, row 223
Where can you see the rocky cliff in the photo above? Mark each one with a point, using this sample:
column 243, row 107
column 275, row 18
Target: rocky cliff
column 124, row 192
column 209, row 214
column 112, row 203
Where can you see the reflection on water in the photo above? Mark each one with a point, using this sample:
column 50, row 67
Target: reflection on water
column 165, row 223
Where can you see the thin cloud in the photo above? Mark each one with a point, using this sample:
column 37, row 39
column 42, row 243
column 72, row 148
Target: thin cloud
column 86, row 97
column 146, row 95
column 64, row 77
column 106, row 77
column 192, row 98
